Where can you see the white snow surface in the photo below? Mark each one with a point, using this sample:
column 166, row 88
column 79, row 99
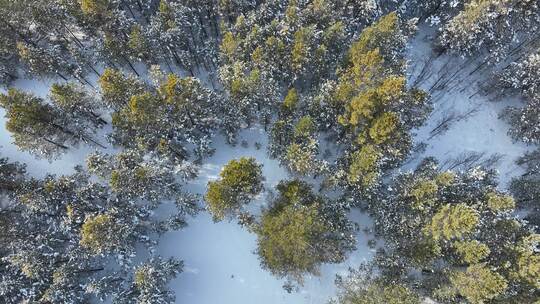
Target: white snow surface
column 220, row 263
column 477, row 127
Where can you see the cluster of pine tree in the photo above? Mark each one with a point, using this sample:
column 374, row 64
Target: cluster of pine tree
column 71, row 239
column 454, row 236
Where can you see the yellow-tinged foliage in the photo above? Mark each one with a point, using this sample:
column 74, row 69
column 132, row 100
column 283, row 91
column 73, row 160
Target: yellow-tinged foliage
column 97, row 232
column 229, row 46
column 376, row 35
column 290, row 102
column 239, row 180
column 445, row 178
column 471, row 252
column 362, row 107
column 453, row 221
column 529, row 260
column 424, row 193
column 379, row 293
column 285, row 240
column 364, row 166
column 383, row 127
column 499, row 202
column 478, row 284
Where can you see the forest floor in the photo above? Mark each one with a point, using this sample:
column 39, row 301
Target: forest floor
column 221, row 266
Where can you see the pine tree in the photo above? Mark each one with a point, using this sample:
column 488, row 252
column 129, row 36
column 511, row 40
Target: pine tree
column 73, row 99
column 361, row 288
column 240, row 180
column 40, row 128
column 138, row 44
column 453, row 221
column 460, row 219
column 528, row 261
column 105, row 233
column 149, row 282
column 180, row 112
column 471, row 252
column 300, row 155
column 491, row 24
column 523, row 76
column 117, row 89
column 376, row 110
column 478, row 283
column 299, row 232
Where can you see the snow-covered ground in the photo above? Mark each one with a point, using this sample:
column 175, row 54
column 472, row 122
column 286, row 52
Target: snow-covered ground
column 464, row 127
column 220, row 263
column 221, row 266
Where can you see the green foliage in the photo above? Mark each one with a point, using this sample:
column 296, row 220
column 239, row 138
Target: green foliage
column 43, row 129
column 445, row 178
column 290, row 102
column 477, row 15
column 528, row 261
column 385, row 35
column 301, row 48
column 25, row 112
column 102, row 234
column 301, row 158
column 362, row 73
column 295, row 235
column 453, row 221
column 116, row 88
column 67, row 95
column 229, row 46
column 151, row 278
column 95, row 8
column 422, row 251
column 500, row 203
column 431, row 218
column 243, row 175
column 304, row 128
column 287, row 239
column 471, row 252
column 373, row 107
column 478, row 283
column 181, row 110
column 239, row 181
column 424, row 193
column 364, row 106
column 378, row 292
column 363, row 168
column 137, row 42
column 281, row 137
column 383, row 127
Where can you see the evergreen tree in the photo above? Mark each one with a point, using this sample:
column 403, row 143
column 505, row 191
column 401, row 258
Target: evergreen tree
column 374, row 109
column 439, row 222
column 117, row 89
column 150, row 280
column 40, row 128
column 300, row 231
column 478, row 283
column 135, row 176
column 240, row 180
column 180, row 112
column 492, row 24
column 360, row 287
column 300, row 155
column 59, row 236
column 523, row 76
column 72, row 99
column 453, row 221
